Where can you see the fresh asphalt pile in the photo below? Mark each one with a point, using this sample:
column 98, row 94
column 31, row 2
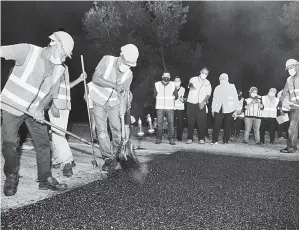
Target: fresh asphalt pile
column 184, row 190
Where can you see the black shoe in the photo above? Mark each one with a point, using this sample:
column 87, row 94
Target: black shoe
column 95, row 141
column 11, row 184
column 67, row 170
column 73, row 164
column 245, row 142
column 172, row 142
column 56, row 166
column 260, row 143
column 287, row 150
column 158, row 142
column 52, row 184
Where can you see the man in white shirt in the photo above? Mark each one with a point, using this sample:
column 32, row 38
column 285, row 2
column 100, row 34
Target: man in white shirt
column 199, row 93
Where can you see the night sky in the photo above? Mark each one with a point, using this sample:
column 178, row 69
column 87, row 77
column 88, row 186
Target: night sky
column 243, row 39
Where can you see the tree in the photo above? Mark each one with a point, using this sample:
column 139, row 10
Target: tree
column 168, row 18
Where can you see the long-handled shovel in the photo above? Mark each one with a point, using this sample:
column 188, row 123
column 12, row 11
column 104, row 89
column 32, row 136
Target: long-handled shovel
column 45, row 121
column 94, row 162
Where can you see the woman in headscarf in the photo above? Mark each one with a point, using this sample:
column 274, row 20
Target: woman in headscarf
column 225, row 103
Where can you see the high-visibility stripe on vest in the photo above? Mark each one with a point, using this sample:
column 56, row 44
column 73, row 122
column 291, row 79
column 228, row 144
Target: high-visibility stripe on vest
column 270, row 107
column 101, row 95
column 253, row 110
column 63, row 100
column 285, row 103
column 293, row 85
column 165, row 97
column 178, row 105
column 27, row 85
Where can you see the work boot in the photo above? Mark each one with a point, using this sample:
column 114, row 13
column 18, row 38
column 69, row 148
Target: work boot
column 73, row 164
column 67, row 170
column 287, row 150
column 110, row 164
column 11, row 184
column 52, row 184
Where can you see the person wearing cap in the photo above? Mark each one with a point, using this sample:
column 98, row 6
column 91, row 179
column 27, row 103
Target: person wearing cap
column 199, row 93
column 111, row 77
column 269, row 114
column 179, row 108
column 33, row 83
column 238, row 117
column 291, row 91
column 165, row 93
column 252, row 107
column 224, row 104
column 285, row 108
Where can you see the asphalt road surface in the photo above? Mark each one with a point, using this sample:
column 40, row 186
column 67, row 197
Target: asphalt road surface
column 183, row 190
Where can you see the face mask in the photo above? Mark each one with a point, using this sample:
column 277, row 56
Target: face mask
column 203, row 76
column 54, row 58
column 177, row 84
column 123, row 68
column 271, row 94
column 292, row 72
column 55, row 61
column 165, row 79
column 253, row 94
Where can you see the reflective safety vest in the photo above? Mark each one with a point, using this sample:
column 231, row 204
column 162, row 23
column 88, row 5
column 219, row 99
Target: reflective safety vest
column 178, row 105
column 293, row 85
column 165, row 97
column 270, row 107
column 101, row 95
column 253, row 110
column 27, row 85
column 63, row 99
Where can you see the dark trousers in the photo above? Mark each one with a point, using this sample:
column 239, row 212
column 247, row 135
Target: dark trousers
column 197, row 116
column 293, row 129
column 10, row 144
column 23, row 134
column 226, row 118
column 169, row 114
column 268, row 124
column 236, row 127
column 179, row 118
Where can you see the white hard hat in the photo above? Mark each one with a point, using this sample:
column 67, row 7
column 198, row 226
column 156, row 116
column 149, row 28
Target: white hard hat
column 66, row 41
column 291, row 63
column 130, row 54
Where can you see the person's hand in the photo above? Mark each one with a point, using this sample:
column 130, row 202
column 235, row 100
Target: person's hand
column 282, row 113
column 55, row 111
column 213, row 113
column 39, row 115
column 238, row 112
column 182, row 99
column 83, row 76
column 119, row 88
column 201, row 105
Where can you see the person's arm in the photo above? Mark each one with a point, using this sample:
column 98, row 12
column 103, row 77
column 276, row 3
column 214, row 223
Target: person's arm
column 98, row 75
column 17, row 53
column 175, row 94
column 285, row 92
column 78, row 80
column 155, row 91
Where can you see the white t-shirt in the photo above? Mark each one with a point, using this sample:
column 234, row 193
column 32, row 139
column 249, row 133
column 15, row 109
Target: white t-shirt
column 202, row 89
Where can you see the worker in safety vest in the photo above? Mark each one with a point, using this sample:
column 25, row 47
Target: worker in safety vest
column 179, row 108
column 269, row 114
column 291, row 90
column 32, row 84
column 112, row 76
column 285, row 107
column 165, row 93
column 59, row 114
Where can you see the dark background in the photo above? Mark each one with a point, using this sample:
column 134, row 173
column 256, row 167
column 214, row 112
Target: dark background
column 243, row 39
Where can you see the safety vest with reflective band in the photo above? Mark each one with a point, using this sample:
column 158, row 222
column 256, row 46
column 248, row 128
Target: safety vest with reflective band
column 253, row 110
column 101, row 95
column 27, row 85
column 178, row 105
column 270, row 107
column 165, row 97
column 293, row 85
column 63, row 99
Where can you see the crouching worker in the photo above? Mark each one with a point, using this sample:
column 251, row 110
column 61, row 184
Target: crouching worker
column 111, row 77
column 33, row 83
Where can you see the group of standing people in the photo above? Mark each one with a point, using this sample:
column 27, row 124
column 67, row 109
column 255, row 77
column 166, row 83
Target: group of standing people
column 228, row 107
